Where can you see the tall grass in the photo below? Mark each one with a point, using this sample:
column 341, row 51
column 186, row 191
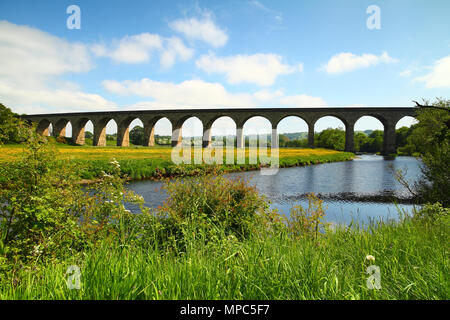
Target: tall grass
column 413, row 261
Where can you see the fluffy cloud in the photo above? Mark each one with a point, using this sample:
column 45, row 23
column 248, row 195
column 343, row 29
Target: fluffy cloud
column 439, row 77
column 31, row 62
column 194, row 94
column 302, row 100
column 131, row 49
column 260, row 69
column 28, row 54
column 347, row 61
column 187, row 94
column 140, row 47
column 45, row 100
column 204, row 30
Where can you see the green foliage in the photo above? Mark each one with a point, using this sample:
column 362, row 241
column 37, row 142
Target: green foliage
column 137, row 136
column 212, row 206
column 10, row 126
column 45, row 213
column 331, row 139
column 434, row 213
column 431, row 137
column 307, row 222
column 297, row 143
column 413, row 261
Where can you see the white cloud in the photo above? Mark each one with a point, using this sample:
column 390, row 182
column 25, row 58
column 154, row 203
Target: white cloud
column 439, row 77
column 175, row 49
column 140, row 47
column 31, row 62
column 45, row 100
column 203, row 29
column 197, row 94
column 187, row 94
column 30, row 55
column 260, row 69
column 302, row 100
column 347, row 61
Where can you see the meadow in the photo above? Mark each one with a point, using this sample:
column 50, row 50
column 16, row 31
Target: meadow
column 215, row 237
column 412, row 257
column 139, row 162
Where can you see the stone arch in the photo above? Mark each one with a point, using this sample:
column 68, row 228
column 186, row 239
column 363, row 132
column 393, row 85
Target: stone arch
column 406, row 121
column 258, row 133
column 348, row 128
column 369, row 122
column 150, row 129
column 403, row 129
column 59, row 129
column 192, row 131
column 300, row 122
column 100, row 127
column 123, row 130
column 224, row 127
column 177, row 132
column 136, row 131
column 79, row 130
column 256, row 115
column 43, row 127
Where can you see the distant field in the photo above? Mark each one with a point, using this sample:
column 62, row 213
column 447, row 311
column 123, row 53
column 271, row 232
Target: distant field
column 11, row 152
column 138, row 162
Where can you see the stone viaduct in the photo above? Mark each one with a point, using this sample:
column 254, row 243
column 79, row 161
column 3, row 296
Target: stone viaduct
column 388, row 116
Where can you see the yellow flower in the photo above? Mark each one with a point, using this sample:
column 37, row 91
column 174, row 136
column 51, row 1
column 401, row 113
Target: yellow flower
column 370, row 258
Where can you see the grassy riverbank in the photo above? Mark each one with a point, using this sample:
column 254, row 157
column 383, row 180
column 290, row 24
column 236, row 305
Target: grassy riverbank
column 214, row 237
column 412, row 257
column 155, row 162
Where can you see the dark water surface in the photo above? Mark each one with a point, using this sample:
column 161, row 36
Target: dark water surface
column 361, row 189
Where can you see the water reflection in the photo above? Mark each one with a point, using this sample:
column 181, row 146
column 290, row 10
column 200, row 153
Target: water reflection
column 368, row 176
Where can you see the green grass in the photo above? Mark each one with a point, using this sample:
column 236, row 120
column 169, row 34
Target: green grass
column 413, row 261
column 139, row 162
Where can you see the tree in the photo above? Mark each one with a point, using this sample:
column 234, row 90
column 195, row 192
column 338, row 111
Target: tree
column 137, row 136
column 331, row 139
column 10, row 123
column 431, row 136
column 360, row 140
column 283, row 140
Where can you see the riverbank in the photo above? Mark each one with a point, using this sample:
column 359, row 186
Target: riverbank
column 139, row 163
column 412, row 259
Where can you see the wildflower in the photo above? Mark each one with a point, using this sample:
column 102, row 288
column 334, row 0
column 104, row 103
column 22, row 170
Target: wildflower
column 105, row 175
column 370, row 258
column 36, row 250
column 115, row 163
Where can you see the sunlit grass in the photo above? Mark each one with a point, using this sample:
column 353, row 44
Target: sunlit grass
column 11, row 152
column 413, row 263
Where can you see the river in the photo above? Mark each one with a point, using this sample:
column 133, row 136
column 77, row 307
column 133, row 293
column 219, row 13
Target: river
column 360, row 189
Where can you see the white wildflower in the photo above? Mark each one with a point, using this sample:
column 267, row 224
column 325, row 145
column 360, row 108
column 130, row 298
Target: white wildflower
column 37, row 250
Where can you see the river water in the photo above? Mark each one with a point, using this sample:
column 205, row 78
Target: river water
column 361, row 189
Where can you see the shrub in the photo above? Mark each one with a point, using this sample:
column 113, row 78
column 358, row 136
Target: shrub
column 215, row 206
column 307, row 222
column 433, row 214
column 44, row 211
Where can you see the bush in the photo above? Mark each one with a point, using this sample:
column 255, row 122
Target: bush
column 215, row 206
column 44, row 211
column 433, row 214
column 307, row 222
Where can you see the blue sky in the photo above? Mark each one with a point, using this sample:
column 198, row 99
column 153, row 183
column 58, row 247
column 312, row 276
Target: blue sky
column 198, row 54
